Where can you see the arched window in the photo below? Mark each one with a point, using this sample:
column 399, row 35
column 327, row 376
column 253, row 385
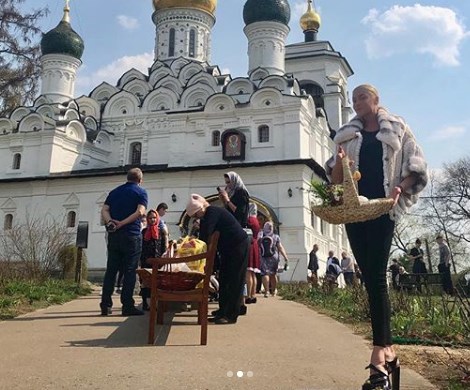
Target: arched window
column 71, row 218
column 192, row 43
column 8, row 222
column 16, row 161
column 216, row 138
column 316, row 92
column 171, row 44
column 135, row 153
column 263, row 133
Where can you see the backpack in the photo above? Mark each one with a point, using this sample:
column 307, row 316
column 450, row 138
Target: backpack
column 267, row 246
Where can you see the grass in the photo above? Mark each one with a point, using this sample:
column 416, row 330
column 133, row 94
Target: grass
column 22, row 296
column 416, row 320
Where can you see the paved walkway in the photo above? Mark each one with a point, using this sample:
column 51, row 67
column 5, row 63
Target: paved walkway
column 278, row 345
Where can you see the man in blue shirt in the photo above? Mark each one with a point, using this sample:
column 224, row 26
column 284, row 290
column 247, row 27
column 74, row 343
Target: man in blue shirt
column 122, row 212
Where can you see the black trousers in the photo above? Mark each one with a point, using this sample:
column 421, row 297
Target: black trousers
column 370, row 243
column 446, row 279
column 232, row 274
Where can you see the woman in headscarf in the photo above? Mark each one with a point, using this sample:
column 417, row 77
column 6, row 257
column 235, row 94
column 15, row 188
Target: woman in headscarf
column 270, row 246
column 152, row 246
column 253, row 259
column 233, row 252
column 235, row 197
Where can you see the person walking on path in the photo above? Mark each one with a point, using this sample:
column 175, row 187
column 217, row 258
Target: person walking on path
column 270, row 248
column 444, row 265
column 384, row 150
column 233, row 250
column 313, row 265
column 122, row 212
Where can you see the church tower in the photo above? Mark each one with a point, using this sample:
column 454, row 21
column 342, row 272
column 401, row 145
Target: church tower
column 184, row 29
column 62, row 49
column 266, row 27
column 321, row 71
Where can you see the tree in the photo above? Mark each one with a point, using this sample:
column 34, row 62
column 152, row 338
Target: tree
column 35, row 245
column 19, row 55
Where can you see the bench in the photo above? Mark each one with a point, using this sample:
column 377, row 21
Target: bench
column 411, row 282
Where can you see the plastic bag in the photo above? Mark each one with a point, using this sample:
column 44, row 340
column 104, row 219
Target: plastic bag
column 192, row 246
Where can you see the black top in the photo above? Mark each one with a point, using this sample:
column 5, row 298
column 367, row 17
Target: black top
column 313, row 263
column 419, row 267
column 371, row 166
column 151, row 248
column 241, row 199
column 219, row 219
column 394, row 268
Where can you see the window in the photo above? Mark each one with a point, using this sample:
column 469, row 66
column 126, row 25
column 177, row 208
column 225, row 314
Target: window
column 135, row 153
column 263, row 133
column 171, row 45
column 323, row 227
column 316, row 92
column 192, row 43
column 71, row 218
column 8, row 222
column 16, row 161
column 216, row 138
column 312, row 219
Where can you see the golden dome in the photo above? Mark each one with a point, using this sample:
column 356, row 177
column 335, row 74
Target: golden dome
column 203, row 5
column 310, row 20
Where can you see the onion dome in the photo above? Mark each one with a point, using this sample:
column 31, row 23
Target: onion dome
column 266, row 11
column 310, row 20
column 208, row 6
column 63, row 39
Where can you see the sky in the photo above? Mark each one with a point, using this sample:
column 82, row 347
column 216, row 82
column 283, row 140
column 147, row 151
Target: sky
column 416, row 53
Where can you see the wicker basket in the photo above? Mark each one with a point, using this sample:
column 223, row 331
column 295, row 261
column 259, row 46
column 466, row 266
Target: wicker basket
column 352, row 210
column 178, row 281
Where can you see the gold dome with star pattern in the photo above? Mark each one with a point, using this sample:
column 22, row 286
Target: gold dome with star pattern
column 310, row 20
column 208, row 6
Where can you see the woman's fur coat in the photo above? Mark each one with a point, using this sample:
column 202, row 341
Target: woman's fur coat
column 401, row 156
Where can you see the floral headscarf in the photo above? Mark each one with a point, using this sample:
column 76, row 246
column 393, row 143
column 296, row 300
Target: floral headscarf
column 236, row 183
column 252, row 209
column 268, row 229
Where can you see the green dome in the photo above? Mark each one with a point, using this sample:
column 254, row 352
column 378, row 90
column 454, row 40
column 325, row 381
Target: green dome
column 266, row 11
column 62, row 40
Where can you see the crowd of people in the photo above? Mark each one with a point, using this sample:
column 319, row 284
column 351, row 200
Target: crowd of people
column 247, row 255
column 378, row 143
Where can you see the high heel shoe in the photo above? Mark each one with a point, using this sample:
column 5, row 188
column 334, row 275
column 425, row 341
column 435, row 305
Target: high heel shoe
column 393, row 369
column 377, row 381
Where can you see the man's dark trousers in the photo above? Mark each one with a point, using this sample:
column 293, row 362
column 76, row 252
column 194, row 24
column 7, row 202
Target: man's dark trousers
column 124, row 252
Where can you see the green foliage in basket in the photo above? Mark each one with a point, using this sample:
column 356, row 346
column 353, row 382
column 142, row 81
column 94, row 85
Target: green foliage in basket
column 328, row 194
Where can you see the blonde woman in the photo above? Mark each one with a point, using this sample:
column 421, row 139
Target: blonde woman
column 384, row 150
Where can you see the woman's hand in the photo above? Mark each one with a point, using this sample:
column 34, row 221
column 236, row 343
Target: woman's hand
column 395, row 194
column 223, row 196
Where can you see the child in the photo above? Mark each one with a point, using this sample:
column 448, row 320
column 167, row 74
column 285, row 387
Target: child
column 152, row 246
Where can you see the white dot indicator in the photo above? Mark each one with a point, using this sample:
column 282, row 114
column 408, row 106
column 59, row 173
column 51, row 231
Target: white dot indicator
column 249, row 374
column 229, row 374
column 240, row 374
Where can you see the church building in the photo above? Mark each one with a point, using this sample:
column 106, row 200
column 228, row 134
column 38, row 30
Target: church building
column 185, row 124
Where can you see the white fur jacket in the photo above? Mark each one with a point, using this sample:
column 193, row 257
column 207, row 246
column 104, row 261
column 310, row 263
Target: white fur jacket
column 401, row 156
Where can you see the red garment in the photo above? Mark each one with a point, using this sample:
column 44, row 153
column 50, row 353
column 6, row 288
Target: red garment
column 254, row 261
column 152, row 231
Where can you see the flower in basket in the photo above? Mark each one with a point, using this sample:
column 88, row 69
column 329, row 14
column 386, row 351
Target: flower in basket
column 327, row 194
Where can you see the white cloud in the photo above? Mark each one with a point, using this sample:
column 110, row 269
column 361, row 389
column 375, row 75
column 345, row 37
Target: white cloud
column 437, row 31
column 112, row 72
column 127, row 22
column 225, row 71
column 449, row 132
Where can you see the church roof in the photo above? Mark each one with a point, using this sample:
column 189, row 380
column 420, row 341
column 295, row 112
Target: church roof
column 63, row 39
column 266, row 11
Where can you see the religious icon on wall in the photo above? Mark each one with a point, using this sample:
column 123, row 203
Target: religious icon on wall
column 233, row 145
